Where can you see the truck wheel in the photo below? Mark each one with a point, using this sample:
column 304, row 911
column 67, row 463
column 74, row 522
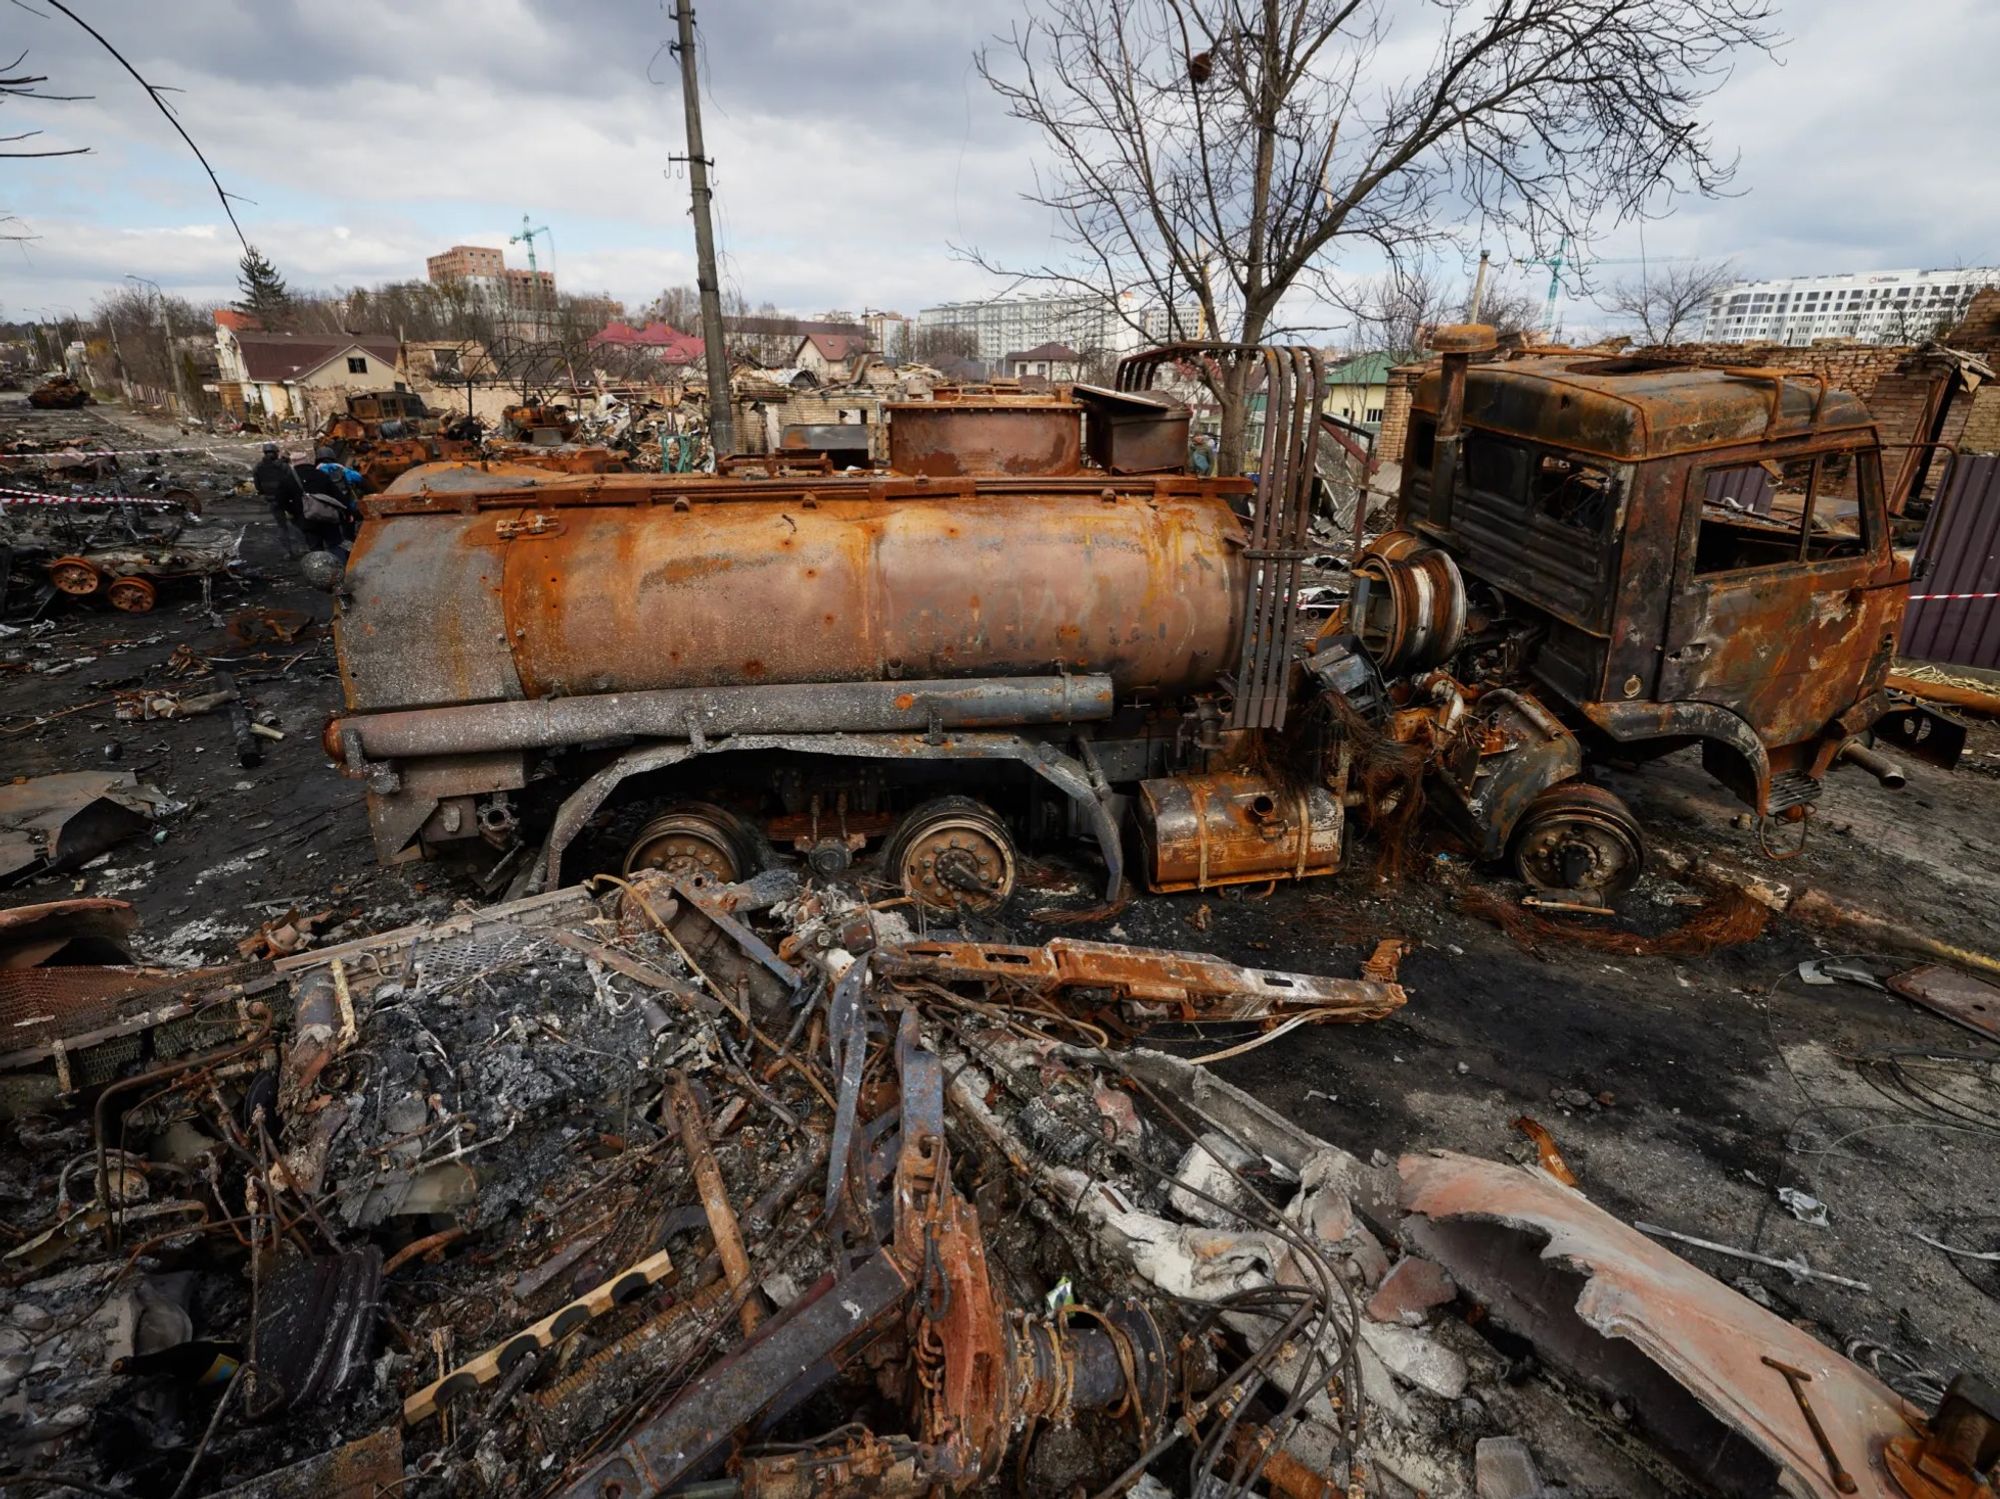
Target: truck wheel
column 132, row 595
column 74, row 576
column 952, row 854
column 695, row 838
column 1579, row 839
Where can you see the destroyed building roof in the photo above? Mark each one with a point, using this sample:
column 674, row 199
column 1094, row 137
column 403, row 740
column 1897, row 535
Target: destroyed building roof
column 790, row 326
column 1638, row 408
column 837, row 346
column 674, row 346
column 234, row 321
column 286, row 356
column 1054, row 352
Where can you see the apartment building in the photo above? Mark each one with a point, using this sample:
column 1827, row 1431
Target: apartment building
column 486, row 273
column 1004, row 325
column 1893, row 307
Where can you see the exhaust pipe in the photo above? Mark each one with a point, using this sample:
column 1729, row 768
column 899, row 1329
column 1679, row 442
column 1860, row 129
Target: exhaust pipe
column 1880, row 766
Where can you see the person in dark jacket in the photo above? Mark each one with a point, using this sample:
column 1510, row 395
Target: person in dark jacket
column 278, row 483
column 329, row 514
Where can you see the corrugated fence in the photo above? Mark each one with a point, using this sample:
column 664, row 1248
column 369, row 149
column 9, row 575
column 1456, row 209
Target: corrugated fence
column 1954, row 613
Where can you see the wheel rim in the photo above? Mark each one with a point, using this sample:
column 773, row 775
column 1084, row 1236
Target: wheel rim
column 957, row 860
column 688, row 843
column 1579, row 838
column 74, row 576
column 133, row 595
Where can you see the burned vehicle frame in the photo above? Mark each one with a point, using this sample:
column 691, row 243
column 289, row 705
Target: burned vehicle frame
column 1662, row 554
column 1036, row 623
column 1082, row 647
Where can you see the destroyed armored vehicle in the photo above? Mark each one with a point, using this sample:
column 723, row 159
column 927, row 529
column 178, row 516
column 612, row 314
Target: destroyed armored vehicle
column 58, row 393
column 384, row 434
column 1037, row 624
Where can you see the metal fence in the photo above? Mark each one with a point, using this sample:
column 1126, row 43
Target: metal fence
column 1954, row 613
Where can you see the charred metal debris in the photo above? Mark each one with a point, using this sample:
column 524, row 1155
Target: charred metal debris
column 1038, row 622
column 749, row 1189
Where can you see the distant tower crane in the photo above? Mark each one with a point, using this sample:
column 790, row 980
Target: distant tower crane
column 1563, row 257
column 527, row 236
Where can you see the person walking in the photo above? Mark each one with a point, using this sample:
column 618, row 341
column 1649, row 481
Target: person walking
column 277, row 482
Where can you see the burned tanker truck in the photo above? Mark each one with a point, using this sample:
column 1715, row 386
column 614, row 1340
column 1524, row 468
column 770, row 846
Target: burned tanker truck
column 1037, row 625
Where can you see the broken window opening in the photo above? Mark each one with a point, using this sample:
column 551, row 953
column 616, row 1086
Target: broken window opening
column 356, row 365
column 1783, row 513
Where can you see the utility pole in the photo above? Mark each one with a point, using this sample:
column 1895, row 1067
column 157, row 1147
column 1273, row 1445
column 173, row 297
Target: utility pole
column 1478, row 290
column 173, row 358
column 721, row 417
column 118, row 356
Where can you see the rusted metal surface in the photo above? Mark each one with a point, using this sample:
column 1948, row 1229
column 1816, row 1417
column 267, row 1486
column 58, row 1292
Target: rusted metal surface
column 685, row 713
column 1602, row 1301
column 1954, row 604
column 1631, row 409
column 1956, row 1458
column 1198, row 987
column 1133, row 432
column 1591, row 494
column 1292, row 379
column 722, row 1224
column 985, row 434
column 1230, row 828
column 1959, row 997
column 447, row 607
column 561, row 458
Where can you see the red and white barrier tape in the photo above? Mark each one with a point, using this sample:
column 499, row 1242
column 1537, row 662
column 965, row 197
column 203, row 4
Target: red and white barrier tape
column 209, row 447
column 1918, row 598
column 36, row 497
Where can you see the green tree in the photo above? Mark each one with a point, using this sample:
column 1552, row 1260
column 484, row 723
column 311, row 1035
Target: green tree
column 265, row 296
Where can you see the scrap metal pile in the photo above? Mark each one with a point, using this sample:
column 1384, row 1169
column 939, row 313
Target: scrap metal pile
column 749, row 1189
column 116, row 549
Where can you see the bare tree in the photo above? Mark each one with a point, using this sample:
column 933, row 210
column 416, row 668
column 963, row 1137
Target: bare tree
column 1664, row 302
column 1216, row 154
column 678, row 307
column 1394, row 314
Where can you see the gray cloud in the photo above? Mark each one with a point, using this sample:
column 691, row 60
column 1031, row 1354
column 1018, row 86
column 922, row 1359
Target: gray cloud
column 853, row 145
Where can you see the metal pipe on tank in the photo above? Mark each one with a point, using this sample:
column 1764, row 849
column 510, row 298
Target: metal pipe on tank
column 1456, row 343
column 687, row 713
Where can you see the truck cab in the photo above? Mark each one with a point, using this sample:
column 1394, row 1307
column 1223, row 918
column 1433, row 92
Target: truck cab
column 1669, row 554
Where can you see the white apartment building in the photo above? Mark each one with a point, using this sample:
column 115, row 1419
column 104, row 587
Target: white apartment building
column 1868, row 307
column 1008, row 325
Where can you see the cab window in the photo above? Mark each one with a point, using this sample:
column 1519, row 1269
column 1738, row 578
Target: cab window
column 1783, row 512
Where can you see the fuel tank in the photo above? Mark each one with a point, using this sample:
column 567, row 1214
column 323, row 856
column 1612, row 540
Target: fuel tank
column 633, row 582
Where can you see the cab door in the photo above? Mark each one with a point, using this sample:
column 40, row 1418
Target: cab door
column 1786, row 597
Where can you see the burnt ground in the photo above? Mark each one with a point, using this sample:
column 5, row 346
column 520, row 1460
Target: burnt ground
column 1725, row 1076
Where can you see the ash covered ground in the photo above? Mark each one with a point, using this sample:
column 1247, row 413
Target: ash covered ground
column 1684, row 1090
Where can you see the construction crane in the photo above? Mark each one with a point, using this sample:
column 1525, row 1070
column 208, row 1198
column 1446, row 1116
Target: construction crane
column 1563, row 257
column 527, row 235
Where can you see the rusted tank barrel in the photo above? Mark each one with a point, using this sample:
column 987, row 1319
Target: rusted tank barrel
column 1877, row 764
column 679, row 713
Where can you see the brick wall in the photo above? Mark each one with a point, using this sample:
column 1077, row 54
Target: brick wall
column 1979, row 334
column 1402, row 383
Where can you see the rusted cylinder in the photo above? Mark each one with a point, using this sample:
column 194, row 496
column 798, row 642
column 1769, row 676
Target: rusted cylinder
column 1877, row 764
column 479, row 606
column 680, row 713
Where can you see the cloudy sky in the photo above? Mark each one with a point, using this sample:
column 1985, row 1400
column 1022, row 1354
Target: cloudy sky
column 854, row 145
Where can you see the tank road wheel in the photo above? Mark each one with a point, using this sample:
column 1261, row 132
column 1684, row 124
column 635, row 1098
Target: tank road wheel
column 1576, row 838
column 952, row 854
column 132, row 595
column 74, row 576
column 695, row 839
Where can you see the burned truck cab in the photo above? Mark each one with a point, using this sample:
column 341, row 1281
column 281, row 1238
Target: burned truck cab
column 1667, row 554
